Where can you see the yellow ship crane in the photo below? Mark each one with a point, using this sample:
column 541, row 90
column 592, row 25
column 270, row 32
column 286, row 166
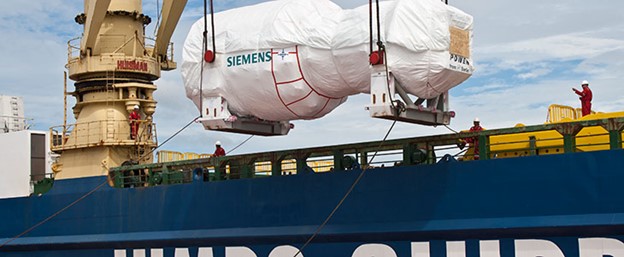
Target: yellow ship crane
column 113, row 68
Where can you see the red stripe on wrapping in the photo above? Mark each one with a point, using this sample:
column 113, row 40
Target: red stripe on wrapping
column 287, row 82
column 301, row 99
column 312, row 89
column 276, row 89
column 301, row 72
column 323, row 107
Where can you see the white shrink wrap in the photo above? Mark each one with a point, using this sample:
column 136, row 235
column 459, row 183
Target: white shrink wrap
column 300, row 59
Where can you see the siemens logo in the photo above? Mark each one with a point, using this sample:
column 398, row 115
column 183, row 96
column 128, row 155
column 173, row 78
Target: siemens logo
column 567, row 247
column 251, row 58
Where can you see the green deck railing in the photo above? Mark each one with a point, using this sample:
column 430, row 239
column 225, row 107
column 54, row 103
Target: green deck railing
column 407, row 151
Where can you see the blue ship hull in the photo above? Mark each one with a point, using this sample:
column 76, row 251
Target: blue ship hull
column 567, row 200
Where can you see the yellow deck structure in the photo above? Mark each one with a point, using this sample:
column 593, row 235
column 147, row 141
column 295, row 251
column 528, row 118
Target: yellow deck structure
column 289, row 165
column 550, row 142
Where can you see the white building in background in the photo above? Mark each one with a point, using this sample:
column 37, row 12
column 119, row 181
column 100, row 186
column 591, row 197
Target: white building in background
column 11, row 114
column 24, row 154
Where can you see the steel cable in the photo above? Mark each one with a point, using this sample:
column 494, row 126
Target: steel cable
column 346, row 195
column 239, row 145
column 87, row 194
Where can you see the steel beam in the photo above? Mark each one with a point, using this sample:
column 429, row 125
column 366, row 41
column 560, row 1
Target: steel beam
column 170, row 15
column 95, row 12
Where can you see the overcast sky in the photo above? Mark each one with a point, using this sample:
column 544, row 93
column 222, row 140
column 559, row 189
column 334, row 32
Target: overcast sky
column 528, row 55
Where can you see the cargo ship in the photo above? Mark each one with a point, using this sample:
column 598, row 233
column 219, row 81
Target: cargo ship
column 547, row 198
column 547, row 190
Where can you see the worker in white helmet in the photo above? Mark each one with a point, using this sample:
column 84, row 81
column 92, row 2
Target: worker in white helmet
column 134, row 122
column 585, row 96
column 474, row 141
column 219, row 151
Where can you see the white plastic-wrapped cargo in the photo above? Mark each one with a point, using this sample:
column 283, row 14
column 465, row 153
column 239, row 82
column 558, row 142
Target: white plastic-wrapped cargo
column 300, row 59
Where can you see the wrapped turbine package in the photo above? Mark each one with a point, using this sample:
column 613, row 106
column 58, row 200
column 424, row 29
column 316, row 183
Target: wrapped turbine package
column 300, row 59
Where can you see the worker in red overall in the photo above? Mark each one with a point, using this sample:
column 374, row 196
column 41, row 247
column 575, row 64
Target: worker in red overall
column 474, row 141
column 585, row 96
column 134, row 122
column 219, row 151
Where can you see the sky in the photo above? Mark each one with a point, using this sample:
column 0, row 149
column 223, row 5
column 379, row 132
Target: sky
column 527, row 54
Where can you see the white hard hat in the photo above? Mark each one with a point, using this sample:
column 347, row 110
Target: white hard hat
column 218, row 143
column 585, row 82
column 476, row 119
column 136, row 107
